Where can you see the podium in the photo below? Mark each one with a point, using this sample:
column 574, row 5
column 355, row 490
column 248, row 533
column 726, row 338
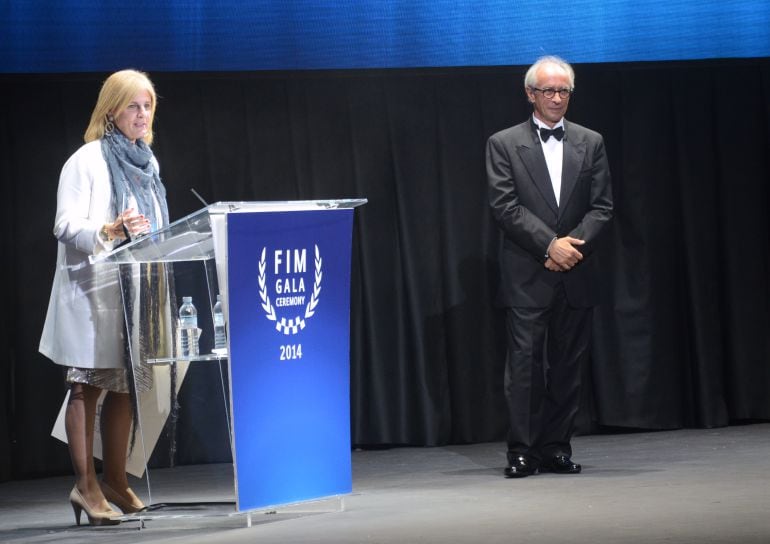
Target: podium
column 283, row 272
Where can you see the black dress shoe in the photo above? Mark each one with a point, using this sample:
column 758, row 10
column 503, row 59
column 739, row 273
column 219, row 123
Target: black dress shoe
column 561, row 464
column 520, row 467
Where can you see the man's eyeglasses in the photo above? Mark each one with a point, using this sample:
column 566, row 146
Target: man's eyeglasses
column 550, row 93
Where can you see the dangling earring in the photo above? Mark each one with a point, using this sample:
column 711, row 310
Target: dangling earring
column 109, row 126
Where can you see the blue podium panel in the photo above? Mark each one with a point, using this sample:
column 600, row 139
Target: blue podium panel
column 289, row 314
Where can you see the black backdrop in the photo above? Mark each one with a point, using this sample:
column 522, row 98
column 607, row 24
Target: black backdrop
column 683, row 339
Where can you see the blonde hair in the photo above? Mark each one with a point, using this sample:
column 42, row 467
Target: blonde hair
column 117, row 93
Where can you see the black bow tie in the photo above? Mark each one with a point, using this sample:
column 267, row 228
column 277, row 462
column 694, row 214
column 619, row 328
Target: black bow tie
column 546, row 133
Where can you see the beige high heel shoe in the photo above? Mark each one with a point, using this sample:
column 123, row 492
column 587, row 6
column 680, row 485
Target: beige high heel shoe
column 126, row 506
column 94, row 518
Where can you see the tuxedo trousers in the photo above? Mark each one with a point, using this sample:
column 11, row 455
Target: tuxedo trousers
column 546, row 348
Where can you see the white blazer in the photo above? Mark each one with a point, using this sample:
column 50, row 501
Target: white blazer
column 84, row 325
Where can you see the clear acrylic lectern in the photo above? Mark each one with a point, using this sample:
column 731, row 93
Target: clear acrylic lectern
column 283, row 271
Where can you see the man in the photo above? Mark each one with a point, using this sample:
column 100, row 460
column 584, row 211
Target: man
column 549, row 190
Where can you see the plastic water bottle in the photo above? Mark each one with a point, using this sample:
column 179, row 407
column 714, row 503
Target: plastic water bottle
column 220, row 337
column 188, row 325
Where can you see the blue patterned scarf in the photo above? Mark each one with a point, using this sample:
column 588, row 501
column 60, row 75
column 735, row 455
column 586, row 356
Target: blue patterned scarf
column 133, row 173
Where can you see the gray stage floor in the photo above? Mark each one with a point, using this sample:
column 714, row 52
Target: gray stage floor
column 689, row 486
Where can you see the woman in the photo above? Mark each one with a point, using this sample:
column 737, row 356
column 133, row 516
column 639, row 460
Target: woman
column 109, row 190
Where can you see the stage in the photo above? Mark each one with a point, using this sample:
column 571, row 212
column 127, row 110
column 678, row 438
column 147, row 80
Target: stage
column 686, row 486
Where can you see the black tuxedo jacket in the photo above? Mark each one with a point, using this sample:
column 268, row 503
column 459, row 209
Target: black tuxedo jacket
column 524, row 206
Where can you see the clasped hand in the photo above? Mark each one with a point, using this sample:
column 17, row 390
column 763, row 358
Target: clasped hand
column 134, row 223
column 563, row 255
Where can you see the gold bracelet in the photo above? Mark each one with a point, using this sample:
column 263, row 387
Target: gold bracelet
column 105, row 235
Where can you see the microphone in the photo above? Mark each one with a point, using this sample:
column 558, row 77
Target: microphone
column 199, row 197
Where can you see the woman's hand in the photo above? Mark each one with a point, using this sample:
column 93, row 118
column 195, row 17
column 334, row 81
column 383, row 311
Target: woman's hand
column 136, row 224
column 113, row 231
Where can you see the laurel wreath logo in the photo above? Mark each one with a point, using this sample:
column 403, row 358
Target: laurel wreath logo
column 289, row 326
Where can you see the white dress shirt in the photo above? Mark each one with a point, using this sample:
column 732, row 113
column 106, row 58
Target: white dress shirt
column 553, row 150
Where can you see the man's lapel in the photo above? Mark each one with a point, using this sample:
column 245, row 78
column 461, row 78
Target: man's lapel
column 531, row 154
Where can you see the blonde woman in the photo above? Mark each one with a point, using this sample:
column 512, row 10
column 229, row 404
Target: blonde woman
column 109, row 190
